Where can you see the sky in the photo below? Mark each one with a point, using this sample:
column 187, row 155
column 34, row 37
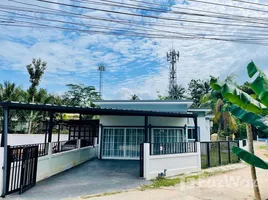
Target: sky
column 134, row 65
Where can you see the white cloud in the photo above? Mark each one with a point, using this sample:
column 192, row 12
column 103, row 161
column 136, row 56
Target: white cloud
column 134, row 65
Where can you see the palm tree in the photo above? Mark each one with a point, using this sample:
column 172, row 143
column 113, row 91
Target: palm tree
column 177, row 92
column 134, row 97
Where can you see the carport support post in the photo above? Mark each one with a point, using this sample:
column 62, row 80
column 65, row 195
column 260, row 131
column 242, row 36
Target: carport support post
column 147, row 139
column 195, row 129
column 5, row 132
column 51, row 116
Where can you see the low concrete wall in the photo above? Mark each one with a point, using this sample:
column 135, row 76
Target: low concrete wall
column 55, row 163
column 20, row 139
column 173, row 164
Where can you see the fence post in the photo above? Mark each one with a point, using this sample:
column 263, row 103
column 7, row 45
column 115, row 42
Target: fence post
column 146, row 160
column 229, row 153
column 50, row 158
column 198, row 150
column 219, row 152
column 79, row 149
column 208, row 154
column 95, row 141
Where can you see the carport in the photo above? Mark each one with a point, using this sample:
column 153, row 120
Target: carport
column 116, row 170
column 92, row 177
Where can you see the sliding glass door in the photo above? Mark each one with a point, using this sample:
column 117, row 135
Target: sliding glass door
column 122, row 142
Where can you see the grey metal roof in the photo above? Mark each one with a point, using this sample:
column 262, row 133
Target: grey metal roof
column 92, row 111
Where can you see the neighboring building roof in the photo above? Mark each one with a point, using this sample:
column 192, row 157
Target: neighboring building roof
column 204, row 110
column 92, row 111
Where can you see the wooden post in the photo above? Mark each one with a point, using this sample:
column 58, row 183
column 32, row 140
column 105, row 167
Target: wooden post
column 195, row 129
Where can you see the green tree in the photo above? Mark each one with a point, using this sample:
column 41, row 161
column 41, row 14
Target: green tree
column 80, row 95
column 10, row 92
column 249, row 110
column 161, row 97
column 36, row 70
column 177, row 92
column 134, row 97
column 197, row 89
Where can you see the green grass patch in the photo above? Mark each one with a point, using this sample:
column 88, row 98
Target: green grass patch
column 101, row 195
column 263, row 147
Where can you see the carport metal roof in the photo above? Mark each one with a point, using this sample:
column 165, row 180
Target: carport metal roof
column 92, row 111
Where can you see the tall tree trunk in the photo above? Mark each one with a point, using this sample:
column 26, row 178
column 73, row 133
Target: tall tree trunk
column 30, row 120
column 252, row 168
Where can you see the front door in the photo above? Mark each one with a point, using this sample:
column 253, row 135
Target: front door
column 122, row 143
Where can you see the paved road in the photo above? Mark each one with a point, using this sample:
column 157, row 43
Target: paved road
column 92, row 177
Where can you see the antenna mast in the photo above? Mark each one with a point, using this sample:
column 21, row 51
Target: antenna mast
column 172, row 57
column 101, row 69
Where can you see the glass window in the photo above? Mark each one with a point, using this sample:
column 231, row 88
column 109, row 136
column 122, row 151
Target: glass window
column 168, row 135
column 191, row 133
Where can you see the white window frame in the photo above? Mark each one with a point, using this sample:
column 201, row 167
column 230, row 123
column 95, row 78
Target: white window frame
column 178, row 128
column 124, row 143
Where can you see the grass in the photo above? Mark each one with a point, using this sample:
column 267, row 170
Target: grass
column 102, row 194
column 263, row 147
column 168, row 182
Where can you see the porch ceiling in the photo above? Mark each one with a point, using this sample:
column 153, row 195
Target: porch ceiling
column 92, row 111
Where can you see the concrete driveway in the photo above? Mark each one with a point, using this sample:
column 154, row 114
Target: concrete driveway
column 92, row 177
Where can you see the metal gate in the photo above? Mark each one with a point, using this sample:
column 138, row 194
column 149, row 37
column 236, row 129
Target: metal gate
column 21, row 168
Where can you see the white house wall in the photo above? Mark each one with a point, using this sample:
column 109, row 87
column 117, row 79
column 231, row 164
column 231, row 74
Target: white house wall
column 139, row 121
column 204, row 127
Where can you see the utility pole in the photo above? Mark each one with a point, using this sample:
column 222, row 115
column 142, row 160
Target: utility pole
column 101, row 69
column 172, row 57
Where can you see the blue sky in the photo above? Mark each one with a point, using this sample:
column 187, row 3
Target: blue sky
column 134, row 65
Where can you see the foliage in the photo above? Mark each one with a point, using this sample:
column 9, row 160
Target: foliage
column 36, row 70
column 177, row 92
column 197, row 89
column 80, row 95
column 134, row 97
column 160, row 97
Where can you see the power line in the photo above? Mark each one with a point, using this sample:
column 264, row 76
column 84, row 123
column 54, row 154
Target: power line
column 139, row 34
column 147, row 16
column 231, row 6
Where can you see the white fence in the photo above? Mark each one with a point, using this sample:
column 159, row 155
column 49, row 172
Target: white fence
column 170, row 164
column 55, row 163
column 21, row 139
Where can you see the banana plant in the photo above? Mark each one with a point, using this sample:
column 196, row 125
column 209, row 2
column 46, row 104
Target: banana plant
column 252, row 111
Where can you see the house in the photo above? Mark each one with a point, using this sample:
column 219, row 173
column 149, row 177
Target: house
column 120, row 136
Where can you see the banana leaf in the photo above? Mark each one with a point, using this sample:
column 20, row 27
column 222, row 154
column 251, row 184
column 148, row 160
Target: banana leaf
column 260, row 122
column 238, row 97
column 249, row 158
column 260, row 84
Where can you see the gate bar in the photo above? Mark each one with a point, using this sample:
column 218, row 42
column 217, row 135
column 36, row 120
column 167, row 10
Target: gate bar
column 5, row 132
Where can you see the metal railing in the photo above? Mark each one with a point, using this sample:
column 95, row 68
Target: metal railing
column 61, row 146
column 172, row 148
column 42, row 148
column 216, row 153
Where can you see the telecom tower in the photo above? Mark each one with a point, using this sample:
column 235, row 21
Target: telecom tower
column 172, row 57
column 101, row 69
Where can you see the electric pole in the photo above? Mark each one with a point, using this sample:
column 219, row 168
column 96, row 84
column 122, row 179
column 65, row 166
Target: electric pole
column 172, row 57
column 101, row 69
